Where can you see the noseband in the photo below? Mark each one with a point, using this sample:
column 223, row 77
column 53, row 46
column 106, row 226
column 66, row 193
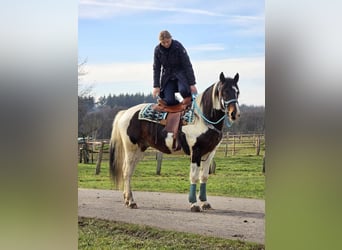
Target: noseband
column 226, row 104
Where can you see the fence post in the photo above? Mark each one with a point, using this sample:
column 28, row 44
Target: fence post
column 159, row 156
column 226, row 149
column 80, row 155
column 99, row 159
column 257, row 145
column 92, row 153
column 233, row 151
column 85, row 153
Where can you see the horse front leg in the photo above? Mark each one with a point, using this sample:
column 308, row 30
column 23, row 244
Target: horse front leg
column 204, row 175
column 194, row 177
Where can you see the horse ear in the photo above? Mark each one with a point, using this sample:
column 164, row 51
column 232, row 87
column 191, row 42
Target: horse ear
column 222, row 77
column 236, row 78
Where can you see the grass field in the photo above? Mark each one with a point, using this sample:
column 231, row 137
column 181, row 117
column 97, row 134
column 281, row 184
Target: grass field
column 236, row 176
column 102, row 234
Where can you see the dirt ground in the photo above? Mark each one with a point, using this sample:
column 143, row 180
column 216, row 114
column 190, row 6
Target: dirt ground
column 232, row 218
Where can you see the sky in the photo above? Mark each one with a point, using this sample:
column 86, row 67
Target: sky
column 116, row 39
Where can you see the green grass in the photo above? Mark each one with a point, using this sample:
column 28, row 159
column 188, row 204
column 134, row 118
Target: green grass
column 102, row 234
column 88, row 179
column 235, row 176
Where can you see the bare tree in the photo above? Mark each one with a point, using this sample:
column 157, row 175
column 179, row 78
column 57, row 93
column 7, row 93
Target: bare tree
column 83, row 90
column 92, row 122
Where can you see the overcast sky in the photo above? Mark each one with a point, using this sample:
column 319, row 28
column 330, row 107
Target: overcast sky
column 117, row 38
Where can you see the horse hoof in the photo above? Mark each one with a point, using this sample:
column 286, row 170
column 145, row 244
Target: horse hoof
column 195, row 208
column 206, row 206
column 133, row 205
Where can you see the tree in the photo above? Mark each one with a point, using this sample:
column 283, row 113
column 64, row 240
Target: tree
column 92, row 121
column 96, row 118
column 83, row 90
column 108, row 113
column 251, row 120
column 85, row 105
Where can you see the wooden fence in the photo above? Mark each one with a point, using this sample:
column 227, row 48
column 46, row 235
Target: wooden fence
column 231, row 144
column 235, row 144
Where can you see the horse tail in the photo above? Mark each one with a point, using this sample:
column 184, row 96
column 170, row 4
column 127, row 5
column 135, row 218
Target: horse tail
column 116, row 156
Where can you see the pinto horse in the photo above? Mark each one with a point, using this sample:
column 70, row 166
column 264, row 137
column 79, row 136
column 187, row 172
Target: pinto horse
column 131, row 136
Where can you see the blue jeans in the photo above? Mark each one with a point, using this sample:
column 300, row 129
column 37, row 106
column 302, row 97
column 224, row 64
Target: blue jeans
column 173, row 86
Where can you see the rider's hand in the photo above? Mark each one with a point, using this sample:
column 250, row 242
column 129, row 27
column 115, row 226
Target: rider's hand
column 193, row 89
column 155, row 92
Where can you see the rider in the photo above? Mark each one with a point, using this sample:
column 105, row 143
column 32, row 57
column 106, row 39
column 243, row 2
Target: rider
column 172, row 60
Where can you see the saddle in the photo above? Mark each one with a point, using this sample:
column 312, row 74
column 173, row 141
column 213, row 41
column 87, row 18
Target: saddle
column 173, row 121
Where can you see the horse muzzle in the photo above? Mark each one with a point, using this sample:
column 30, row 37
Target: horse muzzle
column 233, row 111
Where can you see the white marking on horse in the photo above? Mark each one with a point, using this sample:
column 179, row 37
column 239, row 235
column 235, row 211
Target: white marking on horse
column 169, row 140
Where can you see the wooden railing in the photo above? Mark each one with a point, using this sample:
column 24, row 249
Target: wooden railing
column 231, row 144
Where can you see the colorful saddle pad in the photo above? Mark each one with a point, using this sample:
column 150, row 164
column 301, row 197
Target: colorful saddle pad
column 149, row 114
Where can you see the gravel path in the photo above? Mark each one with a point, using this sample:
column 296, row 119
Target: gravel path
column 232, row 218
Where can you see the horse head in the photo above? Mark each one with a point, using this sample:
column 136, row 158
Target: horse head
column 228, row 94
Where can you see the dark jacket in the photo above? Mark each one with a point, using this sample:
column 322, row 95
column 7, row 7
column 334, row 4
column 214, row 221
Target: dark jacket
column 172, row 63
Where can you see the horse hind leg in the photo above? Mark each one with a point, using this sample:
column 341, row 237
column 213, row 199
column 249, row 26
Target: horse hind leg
column 131, row 160
column 129, row 201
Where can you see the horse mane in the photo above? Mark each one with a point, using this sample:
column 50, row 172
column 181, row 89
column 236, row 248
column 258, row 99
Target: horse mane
column 209, row 100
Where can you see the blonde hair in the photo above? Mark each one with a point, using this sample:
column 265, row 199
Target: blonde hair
column 164, row 34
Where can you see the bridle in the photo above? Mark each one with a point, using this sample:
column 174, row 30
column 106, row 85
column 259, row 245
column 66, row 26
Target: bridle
column 224, row 109
column 225, row 104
